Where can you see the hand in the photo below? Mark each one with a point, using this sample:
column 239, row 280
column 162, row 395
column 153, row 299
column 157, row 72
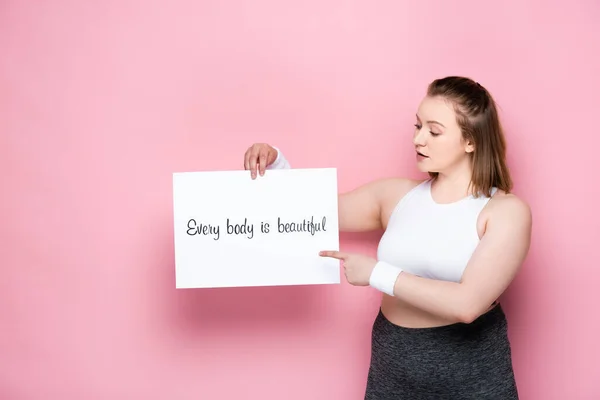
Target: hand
column 357, row 267
column 259, row 155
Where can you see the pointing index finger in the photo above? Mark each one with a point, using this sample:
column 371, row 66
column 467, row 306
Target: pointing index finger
column 333, row 254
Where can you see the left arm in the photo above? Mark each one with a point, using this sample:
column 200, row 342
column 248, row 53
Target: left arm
column 491, row 269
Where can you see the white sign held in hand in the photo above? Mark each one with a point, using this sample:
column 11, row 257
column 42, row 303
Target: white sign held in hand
column 231, row 230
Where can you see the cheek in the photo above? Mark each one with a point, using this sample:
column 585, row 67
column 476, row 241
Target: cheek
column 446, row 151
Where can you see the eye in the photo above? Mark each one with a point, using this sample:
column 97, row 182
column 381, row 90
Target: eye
column 417, row 126
column 434, row 134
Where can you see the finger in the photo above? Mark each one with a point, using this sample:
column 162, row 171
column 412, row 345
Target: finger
column 333, row 254
column 247, row 159
column 252, row 161
column 262, row 163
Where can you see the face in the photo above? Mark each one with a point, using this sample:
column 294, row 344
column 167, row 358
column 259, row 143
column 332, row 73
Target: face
column 438, row 140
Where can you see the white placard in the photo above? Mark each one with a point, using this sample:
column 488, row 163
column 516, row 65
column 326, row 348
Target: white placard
column 232, row 231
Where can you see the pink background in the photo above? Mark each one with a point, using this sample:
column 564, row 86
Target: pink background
column 101, row 101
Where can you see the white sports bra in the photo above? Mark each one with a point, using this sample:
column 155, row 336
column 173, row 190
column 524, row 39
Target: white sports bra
column 429, row 239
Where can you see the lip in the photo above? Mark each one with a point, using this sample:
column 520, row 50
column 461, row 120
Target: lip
column 421, row 154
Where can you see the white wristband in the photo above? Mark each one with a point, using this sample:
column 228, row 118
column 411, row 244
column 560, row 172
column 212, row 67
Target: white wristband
column 280, row 162
column 384, row 276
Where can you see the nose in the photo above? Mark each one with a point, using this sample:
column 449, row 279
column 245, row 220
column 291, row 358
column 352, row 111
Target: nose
column 419, row 138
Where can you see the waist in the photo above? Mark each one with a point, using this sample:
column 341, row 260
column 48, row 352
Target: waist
column 406, row 316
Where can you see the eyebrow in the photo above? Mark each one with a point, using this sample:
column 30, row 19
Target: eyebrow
column 431, row 121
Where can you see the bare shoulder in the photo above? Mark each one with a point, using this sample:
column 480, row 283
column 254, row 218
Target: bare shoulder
column 365, row 207
column 393, row 188
column 510, row 205
column 506, row 210
column 389, row 186
column 390, row 192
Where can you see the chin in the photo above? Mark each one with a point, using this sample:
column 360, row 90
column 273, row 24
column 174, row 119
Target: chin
column 423, row 167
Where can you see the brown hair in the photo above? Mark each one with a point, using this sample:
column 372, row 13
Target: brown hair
column 477, row 117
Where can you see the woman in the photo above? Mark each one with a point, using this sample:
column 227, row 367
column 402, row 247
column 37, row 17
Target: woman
column 451, row 246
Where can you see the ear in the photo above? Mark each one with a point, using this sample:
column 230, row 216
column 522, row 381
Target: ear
column 469, row 146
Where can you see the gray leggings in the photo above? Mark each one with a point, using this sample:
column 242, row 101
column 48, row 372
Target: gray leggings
column 454, row 362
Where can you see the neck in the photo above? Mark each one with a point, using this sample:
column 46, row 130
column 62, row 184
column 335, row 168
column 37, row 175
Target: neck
column 454, row 184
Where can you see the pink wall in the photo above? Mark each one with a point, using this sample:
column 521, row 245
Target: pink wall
column 101, row 101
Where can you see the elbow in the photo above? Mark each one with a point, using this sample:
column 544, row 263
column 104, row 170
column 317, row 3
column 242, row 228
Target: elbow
column 467, row 316
column 467, row 312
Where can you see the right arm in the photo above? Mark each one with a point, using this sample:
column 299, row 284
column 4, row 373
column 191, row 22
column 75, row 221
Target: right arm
column 359, row 210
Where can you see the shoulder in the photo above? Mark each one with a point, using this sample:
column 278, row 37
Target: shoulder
column 391, row 190
column 384, row 192
column 508, row 212
column 508, row 205
column 394, row 187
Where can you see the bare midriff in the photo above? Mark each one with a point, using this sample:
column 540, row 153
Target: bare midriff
column 403, row 314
